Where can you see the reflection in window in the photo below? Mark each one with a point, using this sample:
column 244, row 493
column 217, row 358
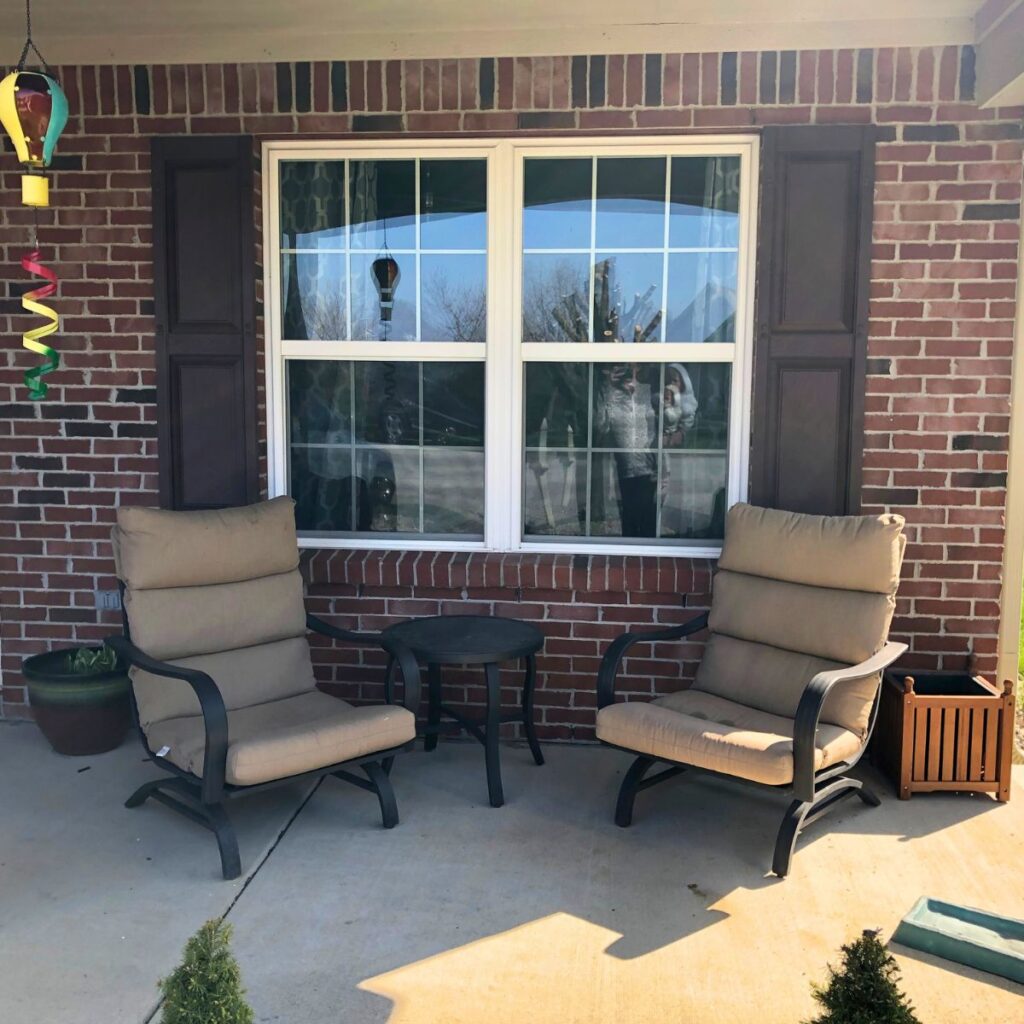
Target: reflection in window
column 705, row 202
column 428, row 216
column 630, row 203
column 382, row 204
column 702, row 297
column 556, row 293
column 628, row 450
column 630, row 249
column 453, row 204
column 387, row 447
column 627, row 297
column 557, row 197
column 312, row 204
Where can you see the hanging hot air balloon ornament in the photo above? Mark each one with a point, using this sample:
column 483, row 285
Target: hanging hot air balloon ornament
column 386, row 275
column 33, row 112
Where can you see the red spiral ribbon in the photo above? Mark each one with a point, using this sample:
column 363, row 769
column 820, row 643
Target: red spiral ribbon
column 32, row 340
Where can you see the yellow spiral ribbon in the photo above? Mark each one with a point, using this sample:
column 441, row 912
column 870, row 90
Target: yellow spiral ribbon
column 32, row 340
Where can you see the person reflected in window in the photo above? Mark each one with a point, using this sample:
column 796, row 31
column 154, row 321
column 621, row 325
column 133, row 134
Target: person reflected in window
column 626, row 419
column 680, row 405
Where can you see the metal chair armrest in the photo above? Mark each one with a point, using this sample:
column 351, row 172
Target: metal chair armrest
column 617, row 649
column 808, row 712
column 211, row 704
column 400, row 655
column 348, row 636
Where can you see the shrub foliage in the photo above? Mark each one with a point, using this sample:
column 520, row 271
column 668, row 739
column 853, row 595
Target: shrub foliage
column 865, row 989
column 207, row 987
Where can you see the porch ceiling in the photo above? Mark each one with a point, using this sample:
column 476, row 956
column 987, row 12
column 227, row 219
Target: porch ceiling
column 119, row 31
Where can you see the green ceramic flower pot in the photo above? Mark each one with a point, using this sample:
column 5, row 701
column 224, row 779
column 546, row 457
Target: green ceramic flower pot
column 79, row 713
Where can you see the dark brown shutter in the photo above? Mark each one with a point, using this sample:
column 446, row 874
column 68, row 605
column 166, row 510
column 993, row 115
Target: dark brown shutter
column 810, row 352
column 204, row 264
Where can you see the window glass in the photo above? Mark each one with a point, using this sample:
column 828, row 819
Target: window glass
column 387, row 447
column 312, row 203
column 382, row 204
column 403, row 258
column 453, row 204
column 314, row 296
column 557, row 201
column 701, row 297
column 637, row 245
column 454, row 306
column 630, row 202
column 659, row 237
column 705, row 202
column 627, row 297
column 626, row 450
column 556, row 297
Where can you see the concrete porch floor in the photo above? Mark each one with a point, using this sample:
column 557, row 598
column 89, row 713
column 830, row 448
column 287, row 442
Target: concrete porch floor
column 541, row 911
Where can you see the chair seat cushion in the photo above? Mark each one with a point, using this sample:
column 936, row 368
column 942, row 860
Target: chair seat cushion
column 718, row 734
column 286, row 737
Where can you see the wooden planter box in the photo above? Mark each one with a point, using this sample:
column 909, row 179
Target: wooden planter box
column 945, row 731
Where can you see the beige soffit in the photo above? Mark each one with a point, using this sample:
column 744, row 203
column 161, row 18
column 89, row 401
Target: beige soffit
column 118, row 31
column 999, row 31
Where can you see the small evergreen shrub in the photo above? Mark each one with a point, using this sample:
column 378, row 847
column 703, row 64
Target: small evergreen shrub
column 207, row 987
column 865, row 989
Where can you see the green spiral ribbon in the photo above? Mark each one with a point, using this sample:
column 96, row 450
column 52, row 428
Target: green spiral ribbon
column 32, row 340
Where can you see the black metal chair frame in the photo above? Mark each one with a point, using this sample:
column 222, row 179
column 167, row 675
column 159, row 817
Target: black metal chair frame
column 203, row 800
column 815, row 792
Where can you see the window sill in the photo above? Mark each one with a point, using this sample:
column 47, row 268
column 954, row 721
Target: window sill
column 712, row 551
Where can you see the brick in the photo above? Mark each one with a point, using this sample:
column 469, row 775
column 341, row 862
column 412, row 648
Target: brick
column 943, row 278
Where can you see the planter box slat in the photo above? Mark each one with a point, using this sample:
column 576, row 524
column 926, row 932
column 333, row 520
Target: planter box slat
column 944, row 732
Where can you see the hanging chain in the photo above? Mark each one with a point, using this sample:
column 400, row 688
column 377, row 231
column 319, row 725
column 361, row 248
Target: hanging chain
column 29, row 42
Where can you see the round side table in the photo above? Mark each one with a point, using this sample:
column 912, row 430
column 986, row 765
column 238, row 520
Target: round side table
column 475, row 640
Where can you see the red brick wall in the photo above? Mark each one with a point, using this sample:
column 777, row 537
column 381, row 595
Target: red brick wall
column 944, row 270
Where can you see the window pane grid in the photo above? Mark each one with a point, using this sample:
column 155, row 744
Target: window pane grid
column 696, row 299
column 352, row 238
column 630, row 472
column 691, row 295
column 370, row 432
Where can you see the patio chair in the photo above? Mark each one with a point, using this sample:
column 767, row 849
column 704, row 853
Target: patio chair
column 222, row 682
column 787, row 690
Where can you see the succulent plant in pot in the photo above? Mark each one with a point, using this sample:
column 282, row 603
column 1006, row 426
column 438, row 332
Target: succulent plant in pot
column 79, row 698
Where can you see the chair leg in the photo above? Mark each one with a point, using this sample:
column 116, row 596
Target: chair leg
column 629, row 789
column 180, row 798
column 785, row 842
column 385, row 793
column 868, row 796
column 387, row 764
column 227, row 843
column 145, row 791
column 801, row 813
column 434, row 707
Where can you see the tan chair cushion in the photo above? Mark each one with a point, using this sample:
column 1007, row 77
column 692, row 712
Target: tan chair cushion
column 287, row 737
column 839, row 552
column 180, row 622
column 840, row 625
column 773, row 680
column 250, row 675
column 720, row 735
column 155, row 548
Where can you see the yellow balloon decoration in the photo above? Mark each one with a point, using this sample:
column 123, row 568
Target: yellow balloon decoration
column 33, row 111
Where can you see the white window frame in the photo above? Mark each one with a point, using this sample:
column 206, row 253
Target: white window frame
column 504, row 354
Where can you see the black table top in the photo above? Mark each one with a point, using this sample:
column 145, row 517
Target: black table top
column 467, row 639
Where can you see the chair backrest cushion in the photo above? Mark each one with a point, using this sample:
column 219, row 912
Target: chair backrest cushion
column 215, row 590
column 797, row 594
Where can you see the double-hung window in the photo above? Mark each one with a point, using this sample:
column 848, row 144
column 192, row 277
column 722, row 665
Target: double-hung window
column 531, row 344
